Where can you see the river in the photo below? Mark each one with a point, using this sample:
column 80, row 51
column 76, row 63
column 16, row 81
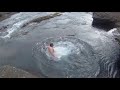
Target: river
column 17, row 42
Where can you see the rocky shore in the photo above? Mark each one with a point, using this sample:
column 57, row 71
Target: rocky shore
column 108, row 21
column 4, row 15
column 13, row 72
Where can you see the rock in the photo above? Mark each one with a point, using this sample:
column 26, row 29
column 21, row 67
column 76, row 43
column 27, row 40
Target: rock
column 4, row 28
column 0, row 15
column 70, row 35
column 25, row 33
column 39, row 19
column 116, row 34
column 106, row 20
column 12, row 72
column 4, row 15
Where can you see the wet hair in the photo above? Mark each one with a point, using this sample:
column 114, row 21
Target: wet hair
column 51, row 45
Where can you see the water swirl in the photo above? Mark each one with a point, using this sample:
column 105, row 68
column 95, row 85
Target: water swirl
column 77, row 60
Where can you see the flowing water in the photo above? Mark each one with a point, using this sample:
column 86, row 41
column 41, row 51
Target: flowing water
column 81, row 50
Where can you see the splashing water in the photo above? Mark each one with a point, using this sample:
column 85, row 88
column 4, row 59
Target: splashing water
column 76, row 58
column 63, row 48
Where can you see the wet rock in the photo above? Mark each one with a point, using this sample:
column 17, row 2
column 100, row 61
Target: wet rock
column 106, row 20
column 71, row 35
column 2, row 29
column 4, row 15
column 12, row 72
column 24, row 33
column 116, row 34
column 39, row 19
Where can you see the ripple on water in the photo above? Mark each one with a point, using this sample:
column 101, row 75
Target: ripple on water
column 76, row 58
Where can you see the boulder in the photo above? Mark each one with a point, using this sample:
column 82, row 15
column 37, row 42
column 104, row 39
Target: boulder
column 13, row 72
column 4, row 15
column 116, row 34
column 106, row 20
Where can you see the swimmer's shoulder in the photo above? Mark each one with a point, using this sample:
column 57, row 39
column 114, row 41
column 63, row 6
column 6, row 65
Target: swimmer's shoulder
column 49, row 47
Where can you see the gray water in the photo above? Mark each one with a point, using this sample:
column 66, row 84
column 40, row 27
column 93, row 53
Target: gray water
column 79, row 59
column 16, row 49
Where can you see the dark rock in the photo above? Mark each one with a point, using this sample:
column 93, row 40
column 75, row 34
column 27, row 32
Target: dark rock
column 2, row 30
column 116, row 34
column 70, row 35
column 0, row 15
column 4, row 27
column 25, row 33
column 103, row 24
column 106, row 20
column 4, row 15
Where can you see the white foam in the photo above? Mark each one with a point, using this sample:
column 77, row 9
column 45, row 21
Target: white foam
column 18, row 20
column 64, row 21
column 61, row 51
column 63, row 48
column 111, row 31
column 15, row 27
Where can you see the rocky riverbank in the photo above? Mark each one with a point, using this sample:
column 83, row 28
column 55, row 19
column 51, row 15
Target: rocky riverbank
column 13, row 72
column 108, row 21
column 4, row 15
column 20, row 23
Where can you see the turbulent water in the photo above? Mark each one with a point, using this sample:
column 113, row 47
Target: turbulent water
column 81, row 50
column 17, row 21
column 79, row 59
column 66, row 47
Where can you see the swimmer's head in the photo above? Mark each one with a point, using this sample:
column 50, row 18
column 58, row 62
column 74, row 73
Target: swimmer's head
column 51, row 45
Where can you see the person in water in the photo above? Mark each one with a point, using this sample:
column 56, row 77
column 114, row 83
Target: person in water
column 51, row 49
